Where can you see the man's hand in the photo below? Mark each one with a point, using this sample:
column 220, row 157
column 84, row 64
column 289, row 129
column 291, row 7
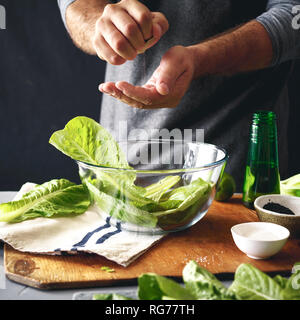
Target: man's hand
column 243, row 49
column 164, row 89
column 123, row 31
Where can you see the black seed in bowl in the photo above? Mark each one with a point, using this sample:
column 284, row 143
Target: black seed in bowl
column 278, row 208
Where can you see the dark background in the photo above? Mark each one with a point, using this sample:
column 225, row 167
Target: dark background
column 45, row 81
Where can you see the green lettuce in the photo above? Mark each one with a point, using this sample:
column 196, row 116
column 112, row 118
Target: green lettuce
column 203, row 284
column 56, row 198
column 156, row 191
column 252, row 284
column 199, row 284
column 182, row 204
column 123, row 189
column 156, row 287
column 119, row 209
column 112, row 186
column 197, row 191
column 291, row 186
column 85, row 140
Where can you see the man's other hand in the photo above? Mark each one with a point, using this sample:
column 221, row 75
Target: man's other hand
column 165, row 88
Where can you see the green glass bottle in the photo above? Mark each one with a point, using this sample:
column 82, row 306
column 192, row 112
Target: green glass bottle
column 262, row 170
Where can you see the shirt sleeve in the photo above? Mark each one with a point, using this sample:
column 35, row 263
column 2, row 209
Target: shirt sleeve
column 63, row 5
column 282, row 22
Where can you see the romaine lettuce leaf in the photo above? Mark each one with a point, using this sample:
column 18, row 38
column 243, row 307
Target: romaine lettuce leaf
column 86, row 140
column 291, row 186
column 120, row 210
column 155, row 287
column 196, row 192
column 122, row 188
column 252, row 284
column 56, row 198
column 203, row 284
column 199, row 284
column 156, row 191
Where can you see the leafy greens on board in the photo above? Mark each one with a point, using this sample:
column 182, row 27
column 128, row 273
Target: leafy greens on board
column 199, row 284
column 291, row 186
column 56, row 198
column 85, row 140
column 114, row 191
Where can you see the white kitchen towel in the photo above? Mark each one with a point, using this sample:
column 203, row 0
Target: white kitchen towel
column 88, row 232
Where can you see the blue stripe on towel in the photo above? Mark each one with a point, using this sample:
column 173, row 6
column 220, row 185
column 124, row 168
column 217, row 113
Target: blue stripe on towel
column 110, row 234
column 86, row 238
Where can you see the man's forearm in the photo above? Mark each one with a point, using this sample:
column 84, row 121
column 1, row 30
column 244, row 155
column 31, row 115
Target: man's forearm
column 243, row 49
column 81, row 17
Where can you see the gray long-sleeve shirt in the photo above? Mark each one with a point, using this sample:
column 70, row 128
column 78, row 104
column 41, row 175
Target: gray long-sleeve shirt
column 220, row 105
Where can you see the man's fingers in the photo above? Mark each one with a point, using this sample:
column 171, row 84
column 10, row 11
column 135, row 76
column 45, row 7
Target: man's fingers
column 159, row 19
column 151, row 42
column 118, row 42
column 140, row 94
column 112, row 90
column 105, row 52
column 159, row 28
column 142, row 15
column 107, row 87
column 129, row 28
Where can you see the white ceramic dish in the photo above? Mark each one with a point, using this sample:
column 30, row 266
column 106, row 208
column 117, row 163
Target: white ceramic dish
column 259, row 240
column 291, row 222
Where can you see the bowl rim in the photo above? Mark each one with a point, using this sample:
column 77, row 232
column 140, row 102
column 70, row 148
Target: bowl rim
column 258, row 207
column 260, row 222
column 204, row 167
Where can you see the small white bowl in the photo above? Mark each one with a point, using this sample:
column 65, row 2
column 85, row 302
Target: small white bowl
column 259, row 240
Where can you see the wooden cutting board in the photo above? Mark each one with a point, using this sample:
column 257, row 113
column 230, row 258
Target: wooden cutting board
column 209, row 243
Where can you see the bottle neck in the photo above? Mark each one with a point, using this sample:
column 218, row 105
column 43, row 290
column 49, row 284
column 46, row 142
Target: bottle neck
column 264, row 129
column 263, row 139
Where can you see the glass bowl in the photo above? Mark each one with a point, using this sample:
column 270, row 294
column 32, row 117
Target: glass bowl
column 170, row 187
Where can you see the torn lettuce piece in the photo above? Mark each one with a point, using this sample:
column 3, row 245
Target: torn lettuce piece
column 121, row 188
column 183, row 204
column 120, row 210
column 280, row 280
column 152, row 286
column 203, row 284
column 184, row 197
column 157, row 190
column 291, row 186
column 56, row 198
column 252, row 284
